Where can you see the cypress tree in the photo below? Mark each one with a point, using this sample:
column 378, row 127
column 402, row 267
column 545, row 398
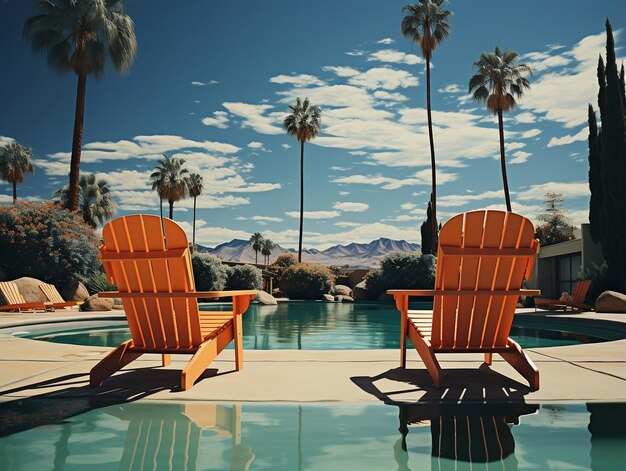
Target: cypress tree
column 622, row 86
column 595, row 181
column 427, row 230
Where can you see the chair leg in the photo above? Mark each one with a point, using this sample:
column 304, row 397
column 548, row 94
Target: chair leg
column 114, row 361
column 198, row 363
column 518, row 359
column 488, row 358
column 427, row 355
column 166, row 359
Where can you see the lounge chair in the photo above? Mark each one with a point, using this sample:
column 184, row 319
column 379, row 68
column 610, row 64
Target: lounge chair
column 16, row 302
column 483, row 258
column 578, row 299
column 148, row 259
column 51, row 293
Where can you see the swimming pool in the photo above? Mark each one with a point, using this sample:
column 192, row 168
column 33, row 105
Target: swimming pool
column 78, row 434
column 333, row 326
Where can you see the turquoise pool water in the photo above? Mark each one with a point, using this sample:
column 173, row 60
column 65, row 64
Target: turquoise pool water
column 332, row 326
column 144, row 435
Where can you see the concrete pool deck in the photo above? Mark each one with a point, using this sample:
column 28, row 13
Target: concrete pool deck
column 579, row 373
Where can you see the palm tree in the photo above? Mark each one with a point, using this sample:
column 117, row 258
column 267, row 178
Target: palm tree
column 78, row 36
column 304, row 123
column 169, row 179
column 498, row 82
column 95, row 202
column 266, row 249
column 195, row 187
column 426, row 23
column 256, row 240
column 15, row 161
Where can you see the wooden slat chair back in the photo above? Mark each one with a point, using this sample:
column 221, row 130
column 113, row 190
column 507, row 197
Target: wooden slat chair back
column 483, row 258
column 16, row 302
column 581, row 288
column 148, row 259
column 52, row 295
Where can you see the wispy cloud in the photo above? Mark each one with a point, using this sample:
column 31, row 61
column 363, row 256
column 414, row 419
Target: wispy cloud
column 346, row 206
column 314, row 214
column 204, row 84
column 219, row 120
column 257, row 117
column 567, row 189
column 581, row 135
column 386, row 41
column 395, row 57
column 301, row 80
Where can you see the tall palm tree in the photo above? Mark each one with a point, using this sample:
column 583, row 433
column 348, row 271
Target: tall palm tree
column 78, row 36
column 15, row 161
column 426, row 23
column 95, row 201
column 169, row 180
column 304, row 124
column 256, row 240
column 266, row 250
column 499, row 81
column 195, row 187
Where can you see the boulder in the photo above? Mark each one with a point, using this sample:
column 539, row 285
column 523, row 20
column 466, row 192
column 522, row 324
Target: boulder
column 94, row 303
column 29, row 289
column 342, row 290
column 611, row 301
column 264, row 298
column 75, row 292
column 328, row 297
column 344, row 299
column 360, row 292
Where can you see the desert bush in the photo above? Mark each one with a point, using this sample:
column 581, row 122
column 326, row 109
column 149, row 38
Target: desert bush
column 244, row 277
column 306, row 281
column 44, row 241
column 402, row 270
column 98, row 282
column 283, row 262
column 209, row 272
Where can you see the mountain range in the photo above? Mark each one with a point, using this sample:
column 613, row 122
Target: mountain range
column 353, row 255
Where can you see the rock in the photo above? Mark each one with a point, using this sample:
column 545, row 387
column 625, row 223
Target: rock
column 264, row 298
column 94, row 303
column 611, row 301
column 360, row 291
column 344, row 299
column 29, row 289
column 75, row 292
column 328, row 297
column 385, row 297
column 342, row 290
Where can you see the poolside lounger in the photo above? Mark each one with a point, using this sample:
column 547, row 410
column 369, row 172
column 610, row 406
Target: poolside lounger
column 16, row 302
column 578, row 299
column 483, row 258
column 148, row 259
column 51, row 293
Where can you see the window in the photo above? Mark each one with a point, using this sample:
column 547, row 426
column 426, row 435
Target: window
column 567, row 267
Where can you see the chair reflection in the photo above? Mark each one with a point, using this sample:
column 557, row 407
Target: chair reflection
column 168, row 436
column 463, row 435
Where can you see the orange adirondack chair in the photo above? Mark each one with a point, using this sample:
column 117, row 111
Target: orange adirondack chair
column 51, row 293
column 16, row 302
column 578, row 299
column 483, row 258
column 148, row 259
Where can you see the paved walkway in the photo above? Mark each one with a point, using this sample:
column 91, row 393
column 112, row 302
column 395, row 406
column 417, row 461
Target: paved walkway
column 581, row 373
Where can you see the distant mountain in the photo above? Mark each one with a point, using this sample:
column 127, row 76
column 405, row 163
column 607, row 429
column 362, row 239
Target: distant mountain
column 354, row 255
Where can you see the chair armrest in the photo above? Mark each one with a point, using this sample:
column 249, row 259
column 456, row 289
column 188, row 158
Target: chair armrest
column 462, row 292
column 191, row 294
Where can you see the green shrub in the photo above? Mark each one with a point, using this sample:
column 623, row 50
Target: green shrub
column 599, row 280
column 283, row 262
column 402, row 270
column 209, row 272
column 306, row 281
column 245, row 277
column 98, row 282
column 43, row 241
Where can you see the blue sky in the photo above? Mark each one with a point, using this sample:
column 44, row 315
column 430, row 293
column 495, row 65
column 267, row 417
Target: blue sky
column 213, row 80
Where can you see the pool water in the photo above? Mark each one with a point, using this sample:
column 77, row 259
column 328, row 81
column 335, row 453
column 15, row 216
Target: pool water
column 148, row 435
column 329, row 326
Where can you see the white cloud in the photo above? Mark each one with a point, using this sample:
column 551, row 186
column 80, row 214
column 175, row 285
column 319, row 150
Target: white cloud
column 301, row 80
column 449, row 201
column 339, row 169
column 394, row 97
column 394, row 56
column 341, row 71
column 351, row 207
column 567, row 189
column 256, row 117
column 525, row 117
column 520, row 157
column 286, row 146
column 219, row 120
column 314, row 214
column 356, row 53
column 422, row 177
column 344, row 193
column 255, row 145
column 385, row 41
column 581, row 135
column 204, row 84
column 530, row 133
column 384, row 77
column 450, row 88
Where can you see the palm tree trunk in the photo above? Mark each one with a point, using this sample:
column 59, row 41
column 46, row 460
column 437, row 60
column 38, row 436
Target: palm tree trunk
column 77, row 141
column 433, row 196
column 171, row 202
column 193, row 239
column 256, row 257
column 505, row 181
column 301, row 199
column 14, row 192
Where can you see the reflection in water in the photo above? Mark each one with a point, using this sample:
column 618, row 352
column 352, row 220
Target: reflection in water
column 463, row 436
